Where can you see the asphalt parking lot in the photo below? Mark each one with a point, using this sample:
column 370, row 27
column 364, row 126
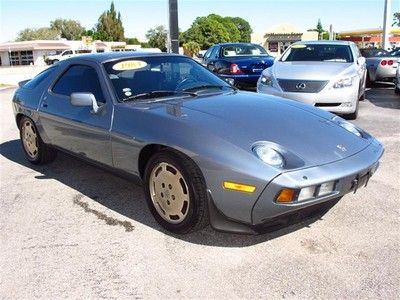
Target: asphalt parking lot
column 71, row 230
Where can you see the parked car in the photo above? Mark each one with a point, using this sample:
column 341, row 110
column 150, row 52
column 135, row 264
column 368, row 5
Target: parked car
column 330, row 75
column 397, row 82
column 240, row 64
column 52, row 59
column 381, row 65
column 204, row 151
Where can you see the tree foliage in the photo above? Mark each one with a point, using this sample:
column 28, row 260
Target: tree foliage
column 109, row 26
column 43, row 33
column 212, row 29
column 68, row 29
column 244, row 28
column 157, row 37
column 132, row 41
column 396, row 19
column 191, row 48
column 319, row 28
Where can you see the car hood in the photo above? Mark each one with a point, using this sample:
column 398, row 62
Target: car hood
column 243, row 118
column 309, row 70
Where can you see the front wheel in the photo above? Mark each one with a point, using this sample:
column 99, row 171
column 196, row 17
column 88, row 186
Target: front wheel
column 36, row 151
column 175, row 191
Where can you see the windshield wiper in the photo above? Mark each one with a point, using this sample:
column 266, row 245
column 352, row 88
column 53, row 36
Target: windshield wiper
column 157, row 94
column 208, row 86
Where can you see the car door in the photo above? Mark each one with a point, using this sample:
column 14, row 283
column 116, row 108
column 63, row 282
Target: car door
column 73, row 128
column 66, row 54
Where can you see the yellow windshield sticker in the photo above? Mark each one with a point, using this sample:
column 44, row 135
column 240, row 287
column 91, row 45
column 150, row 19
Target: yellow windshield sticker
column 129, row 65
column 299, row 46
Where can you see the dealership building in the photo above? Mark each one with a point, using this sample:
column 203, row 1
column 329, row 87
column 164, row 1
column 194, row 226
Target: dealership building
column 35, row 52
column 278, row 38
column 371, row 37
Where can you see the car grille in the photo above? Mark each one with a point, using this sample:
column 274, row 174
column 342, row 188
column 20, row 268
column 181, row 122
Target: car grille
column 301, row 86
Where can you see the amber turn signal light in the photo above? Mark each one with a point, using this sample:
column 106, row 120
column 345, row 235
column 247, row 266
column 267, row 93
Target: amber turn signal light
column 286, row 196
column 239, row 187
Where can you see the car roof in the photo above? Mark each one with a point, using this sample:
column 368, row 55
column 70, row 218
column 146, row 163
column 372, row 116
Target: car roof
column 324, row 42
column 109, row 56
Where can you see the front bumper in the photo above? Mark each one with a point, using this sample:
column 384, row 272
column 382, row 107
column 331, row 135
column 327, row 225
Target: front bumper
column 266, row 211
column 343, row 172
column 243, row 80
column 339, row 100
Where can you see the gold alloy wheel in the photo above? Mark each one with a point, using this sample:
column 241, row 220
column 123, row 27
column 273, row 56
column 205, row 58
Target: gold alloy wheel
column 169, row 193
column 30, row 139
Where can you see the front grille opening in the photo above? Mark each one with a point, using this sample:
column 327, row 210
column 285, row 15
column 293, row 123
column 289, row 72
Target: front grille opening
column 327, row 104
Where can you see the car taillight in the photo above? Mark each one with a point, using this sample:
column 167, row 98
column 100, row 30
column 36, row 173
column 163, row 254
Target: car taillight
column 384, row 62
column 234, row 69
column 390, row 62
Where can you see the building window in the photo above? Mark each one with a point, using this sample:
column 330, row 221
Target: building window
column 26, row 57
column 21, row 58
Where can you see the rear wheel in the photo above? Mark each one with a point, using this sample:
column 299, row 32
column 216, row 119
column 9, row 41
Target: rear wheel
column 176, row 192
column 35, row 150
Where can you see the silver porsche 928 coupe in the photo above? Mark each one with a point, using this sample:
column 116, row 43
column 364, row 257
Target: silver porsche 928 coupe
column 205, row 152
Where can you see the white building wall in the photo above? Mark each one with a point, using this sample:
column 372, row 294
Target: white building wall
column 5, row 61
column 38, row 57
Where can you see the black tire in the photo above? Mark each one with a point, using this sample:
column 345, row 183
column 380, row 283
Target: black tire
column 197, row 211
column 44, row 153
column 55, row 61
column 369, row 83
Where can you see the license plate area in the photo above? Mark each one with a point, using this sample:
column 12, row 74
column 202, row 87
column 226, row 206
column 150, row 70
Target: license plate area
column 360, row 181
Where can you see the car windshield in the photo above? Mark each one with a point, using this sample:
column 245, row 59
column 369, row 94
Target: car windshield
column 243, row 50
column 161, row 76
column 318, row 52
column 374, row 52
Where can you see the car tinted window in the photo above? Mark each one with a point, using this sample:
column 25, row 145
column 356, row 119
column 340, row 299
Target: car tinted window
column 208, row 53
column 372, row 52
column 318, row 52
column 214, row 52
column 67, row 52
column 243, row 50
column 134, row 76
column 79, row 79
column 38, row 79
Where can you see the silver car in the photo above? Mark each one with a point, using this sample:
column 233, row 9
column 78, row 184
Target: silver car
column 381, row 65
column 205, row 152
column 330, row 75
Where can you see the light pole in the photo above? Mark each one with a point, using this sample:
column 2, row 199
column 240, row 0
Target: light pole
column 386, row 25
column 173, row 36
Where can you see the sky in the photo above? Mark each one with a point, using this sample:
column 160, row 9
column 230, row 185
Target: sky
column 140, row 15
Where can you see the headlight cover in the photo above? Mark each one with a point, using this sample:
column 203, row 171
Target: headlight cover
column 266, row 80
column 343, row 82
column 269, row 155
column 347, row 125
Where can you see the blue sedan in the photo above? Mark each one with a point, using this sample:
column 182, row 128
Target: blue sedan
column 240, row 64
column 205, row 152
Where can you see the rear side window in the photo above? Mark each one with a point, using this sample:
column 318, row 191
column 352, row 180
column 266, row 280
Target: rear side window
column 38, row 79
column 79, row 79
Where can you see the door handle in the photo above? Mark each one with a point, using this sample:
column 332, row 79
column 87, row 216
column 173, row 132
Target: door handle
column 44, row 104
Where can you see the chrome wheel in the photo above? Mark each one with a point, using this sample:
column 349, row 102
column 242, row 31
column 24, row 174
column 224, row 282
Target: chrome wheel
column 30, row 139
column 169, row 193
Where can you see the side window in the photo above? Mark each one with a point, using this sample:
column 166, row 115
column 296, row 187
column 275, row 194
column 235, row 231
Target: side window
column 214, row 53
column 208, row 53
column 79, row 79
column 67, row 52
column 38, row 79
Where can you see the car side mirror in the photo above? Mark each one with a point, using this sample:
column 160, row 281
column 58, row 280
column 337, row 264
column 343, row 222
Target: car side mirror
column 85, row 99
column 361, row 60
